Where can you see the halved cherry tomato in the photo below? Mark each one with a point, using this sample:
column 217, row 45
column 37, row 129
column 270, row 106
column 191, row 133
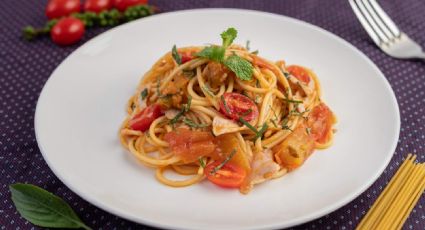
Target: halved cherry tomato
column 228, row 176
column 186, row 57
column 299, row 72
column 190, row 144
column 320, row 121
column 97, row 6
column 143, row 120
column 122, row 5
column 67, row 31
column 235, row 105
column 61, row 8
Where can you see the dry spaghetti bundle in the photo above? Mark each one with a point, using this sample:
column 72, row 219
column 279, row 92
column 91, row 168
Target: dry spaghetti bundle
column 225, row 114
column 394, row 205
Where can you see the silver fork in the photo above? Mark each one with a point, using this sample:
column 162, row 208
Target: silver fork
column 384, row 32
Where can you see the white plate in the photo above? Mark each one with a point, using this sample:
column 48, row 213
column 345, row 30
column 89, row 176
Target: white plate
column 82, row 106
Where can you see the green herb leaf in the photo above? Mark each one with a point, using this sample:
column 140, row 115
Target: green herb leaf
column 273, row 122
column 144, row 94
column 215, row 53
column 241, row 67
column 255, row 52
column 189, row 102
column 201, row 162
column 177, row 117
column 247, row 45
column 248, row 125
column 224, row 162
column 176, row 55
column 261, row 131
column 225, row 104
column 192, row 124
column 228, row 36
column 189, row 73
column 207, row 89
column 42, row 208
column 292, row 101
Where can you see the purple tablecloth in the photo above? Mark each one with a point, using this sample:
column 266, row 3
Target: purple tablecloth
column 25, row 67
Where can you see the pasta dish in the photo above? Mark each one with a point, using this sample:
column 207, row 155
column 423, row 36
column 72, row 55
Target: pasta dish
column 225, row 114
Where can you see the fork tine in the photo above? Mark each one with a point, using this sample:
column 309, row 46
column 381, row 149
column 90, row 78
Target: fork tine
column 364, row 22
column 385, row 18
column 377, row 19
column 366, row 14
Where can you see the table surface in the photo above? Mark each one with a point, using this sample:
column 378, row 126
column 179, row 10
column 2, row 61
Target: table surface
column 25, row 67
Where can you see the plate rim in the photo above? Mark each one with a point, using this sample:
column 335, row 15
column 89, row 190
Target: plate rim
column 297, row 221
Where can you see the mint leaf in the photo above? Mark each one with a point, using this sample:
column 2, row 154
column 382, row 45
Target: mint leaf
column 241, row 67
column 228, row 36
column 42, row 208
column 176, row 55
column 215, row 53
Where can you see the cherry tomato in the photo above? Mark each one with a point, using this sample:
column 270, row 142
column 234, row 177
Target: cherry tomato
column 228, row 176
column 186, row 57
column 61, row 8
column 97, row 6
column 143, row 120
column 320, row 121
column 67, row 31
column 235, row 105
column 299, row 72
column 122, row 5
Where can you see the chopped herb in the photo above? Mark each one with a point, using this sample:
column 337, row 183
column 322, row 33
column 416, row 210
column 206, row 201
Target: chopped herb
column 255, row 52
column 286, row 74
column 228, row 36
column 261, row 131
column 166, row 96
column 274, row 122
column 192, row 124
column 144, row 94
column 177, row 117
column 285, row 125
column 292, row 101
column 246, row 112
column 248, row 125
column 201, row 162
column 257, row 84
column 189, row 102
column 274, row 113
column 247, row 45
column 207, row 89
column 224, row 162
column 225, row 104
column 308, row 131
column 241, row 67
column 296, row 113
column 189, row 73
column 176, row 55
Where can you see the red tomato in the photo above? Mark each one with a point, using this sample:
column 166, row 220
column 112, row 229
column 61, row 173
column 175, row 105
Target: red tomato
column 143, row 120
column 67, row 31
column 186, row 57
column 299, row 72
column 236, row 105
column 97, row 6
column 61, row 8
column 122, row 5
column 320, row 121
column 228, row 176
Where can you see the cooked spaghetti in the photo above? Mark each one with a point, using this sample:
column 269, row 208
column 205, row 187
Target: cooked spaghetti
column 225, row 114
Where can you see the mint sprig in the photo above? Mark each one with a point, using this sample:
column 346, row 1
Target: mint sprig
column 241, row 67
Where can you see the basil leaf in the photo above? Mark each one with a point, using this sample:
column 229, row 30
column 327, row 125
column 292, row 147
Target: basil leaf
column 42, row 208
column 215, row 53
column 241, row 67
column 176, row 55
column 228, row 36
